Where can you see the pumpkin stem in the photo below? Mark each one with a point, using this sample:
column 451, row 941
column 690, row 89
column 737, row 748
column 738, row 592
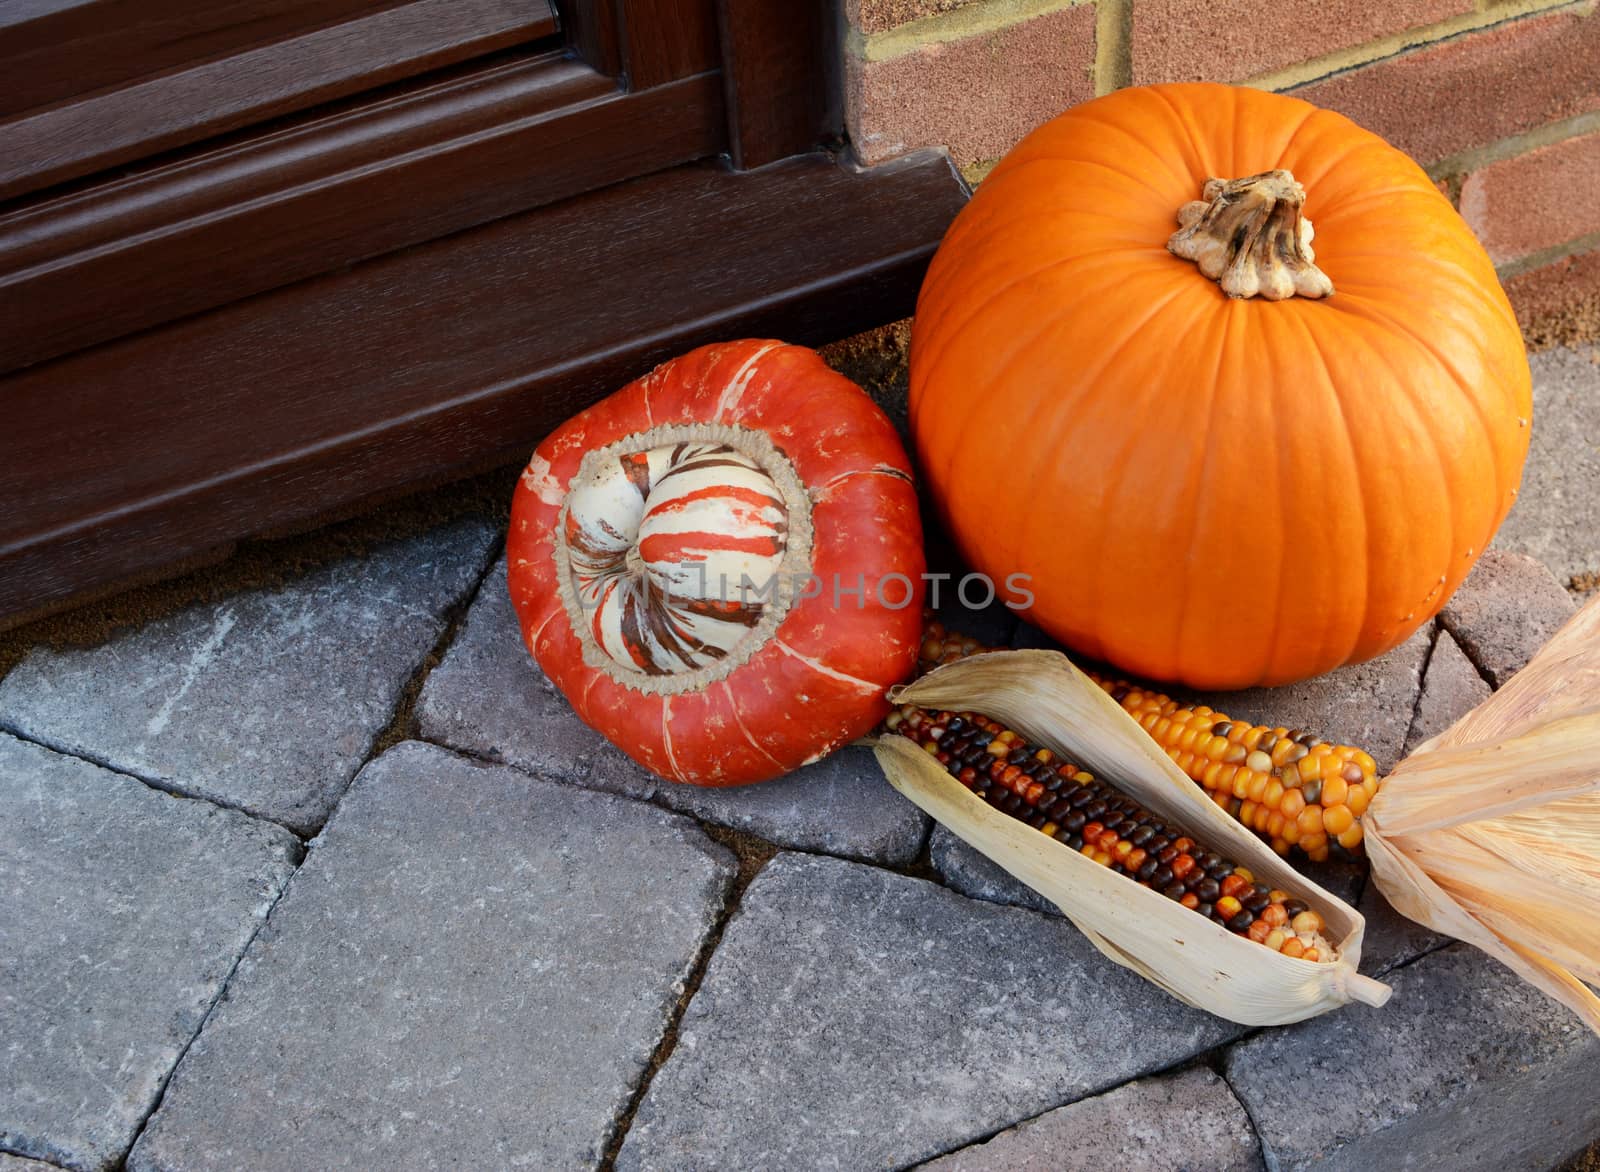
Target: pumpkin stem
column 1248, row 235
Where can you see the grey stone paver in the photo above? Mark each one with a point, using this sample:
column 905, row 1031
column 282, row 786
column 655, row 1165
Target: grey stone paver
column 1466, row 1068
column 122, row 911
column 471, row 970
column 1173, row 1123
column 1505, row 611
column 268, row 700
column 841, row 805
column 1344, row 877
column 1557, row 515
column 1451, row 688
column 489, row 697
column 964, row 869
column 1391, row 939
column 19, row 1164
column 854, row 1018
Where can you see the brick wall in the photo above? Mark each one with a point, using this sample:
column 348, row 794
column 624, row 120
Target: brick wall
column 1498, row 99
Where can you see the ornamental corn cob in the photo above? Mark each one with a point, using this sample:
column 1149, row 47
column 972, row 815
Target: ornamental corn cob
column 1287, row 784
column 1087, row 815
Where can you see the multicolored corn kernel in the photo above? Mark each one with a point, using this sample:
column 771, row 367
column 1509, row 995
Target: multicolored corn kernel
column 1288, row 785
column 1095, row 819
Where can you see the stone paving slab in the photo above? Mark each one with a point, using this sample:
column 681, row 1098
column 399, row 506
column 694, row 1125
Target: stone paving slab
column 488, row 697
column 122, row 912
column 1451, row 687
column 471, row 970
column 1391, row 939
column 854, row 1018
column 1556, row 518
column 18, row 1164
column 1506, row 610
column 1175, row 1123
column 1466, row 1068
column 268, row 700
column 841, row 805
column 967, row 870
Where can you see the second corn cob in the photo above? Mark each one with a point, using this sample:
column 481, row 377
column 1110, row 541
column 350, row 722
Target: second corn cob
column 1289, row 785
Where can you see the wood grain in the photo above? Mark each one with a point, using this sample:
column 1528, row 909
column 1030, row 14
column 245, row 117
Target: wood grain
column 647, row 42
column 778, row 63
column 52, row 50
column 331, row 190
column 436, row 359
column 663, row 40
column 592, row 30
column 42, row 147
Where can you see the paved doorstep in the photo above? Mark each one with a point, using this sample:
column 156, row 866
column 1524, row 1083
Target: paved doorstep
column 489, row 697
column 856, row 1018
column 1466, row 1068
column 471, row 969
column 122, row 912
column 1170, row 1124
column 268, row 700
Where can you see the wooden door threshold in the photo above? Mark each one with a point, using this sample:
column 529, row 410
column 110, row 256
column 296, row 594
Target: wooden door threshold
column 434, row 361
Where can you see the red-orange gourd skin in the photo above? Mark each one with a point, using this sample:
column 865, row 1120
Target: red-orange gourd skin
column 820, row 681
column 1218, row 492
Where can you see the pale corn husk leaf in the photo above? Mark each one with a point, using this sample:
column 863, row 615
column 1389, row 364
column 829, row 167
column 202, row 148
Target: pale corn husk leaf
column 1490, row 832
column 1450, row 786
column 1048, row 701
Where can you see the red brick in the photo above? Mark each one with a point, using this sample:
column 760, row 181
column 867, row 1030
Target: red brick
column 977, row 95
column 1475, row 89
column 1559, row 304
column 1230, row 40
column 876, row 16
column 1535, row 200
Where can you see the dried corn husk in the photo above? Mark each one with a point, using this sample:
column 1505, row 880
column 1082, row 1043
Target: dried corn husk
column 1046, row 699
column 1490, row 832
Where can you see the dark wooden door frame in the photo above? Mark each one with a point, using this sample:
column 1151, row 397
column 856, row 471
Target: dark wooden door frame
column 414, row 284
column 270, row 71
column 778, row 62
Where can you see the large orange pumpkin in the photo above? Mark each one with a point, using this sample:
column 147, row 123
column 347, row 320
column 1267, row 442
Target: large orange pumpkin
column 720, row 565
column 1209, row 486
